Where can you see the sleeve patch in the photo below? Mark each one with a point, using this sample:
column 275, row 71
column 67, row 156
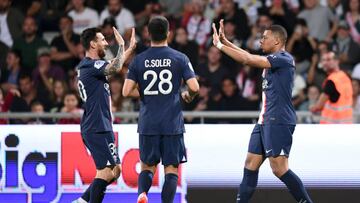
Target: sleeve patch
column 98, row 64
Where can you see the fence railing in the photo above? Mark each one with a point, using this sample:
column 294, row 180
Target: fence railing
column 303, row 116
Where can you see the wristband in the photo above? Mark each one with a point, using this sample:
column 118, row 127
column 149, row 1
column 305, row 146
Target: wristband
column 219, row 45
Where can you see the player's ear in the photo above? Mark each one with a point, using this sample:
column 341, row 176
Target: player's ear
column 92, row 44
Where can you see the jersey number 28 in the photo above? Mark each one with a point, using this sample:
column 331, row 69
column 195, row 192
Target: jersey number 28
column 163, row 80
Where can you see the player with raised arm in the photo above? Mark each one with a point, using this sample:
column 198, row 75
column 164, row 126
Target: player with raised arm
column 158, row 73
column 272, row 135
column 96, row 123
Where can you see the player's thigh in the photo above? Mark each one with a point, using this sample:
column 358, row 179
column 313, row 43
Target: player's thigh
column 254, row 161
column 173, row 151
column 277, row 139
column 256, row 143
column 149, row 146
column 279, row 165
column 171, row 169
column 103, row 149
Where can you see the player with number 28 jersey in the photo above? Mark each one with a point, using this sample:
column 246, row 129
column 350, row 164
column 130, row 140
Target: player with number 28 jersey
column 159, row 72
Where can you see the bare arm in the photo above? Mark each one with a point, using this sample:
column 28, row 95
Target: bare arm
column 193, row 90
column 117, row 63
column 130, row 89
column 320, row 103
column 237, row 53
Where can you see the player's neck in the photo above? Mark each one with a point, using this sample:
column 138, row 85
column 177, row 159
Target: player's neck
column 159, row 44
column 92, row 55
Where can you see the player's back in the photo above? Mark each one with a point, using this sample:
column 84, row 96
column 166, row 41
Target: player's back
column 159, row 72
column 95, row 93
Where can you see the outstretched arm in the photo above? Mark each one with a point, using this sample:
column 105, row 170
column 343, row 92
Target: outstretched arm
column 239, row 54
column 117, row 63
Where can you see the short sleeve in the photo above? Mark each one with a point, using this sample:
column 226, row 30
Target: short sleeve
column 132, row 71
column 188, row 70
column 98, row 67
column 279, row 61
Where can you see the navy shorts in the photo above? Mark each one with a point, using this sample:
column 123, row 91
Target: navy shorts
column 170, row 149
column 271, row 140
column 103, row 148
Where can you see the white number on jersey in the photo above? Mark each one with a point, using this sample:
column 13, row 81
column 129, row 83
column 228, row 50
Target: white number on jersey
column 163, row 80
column 82, row 91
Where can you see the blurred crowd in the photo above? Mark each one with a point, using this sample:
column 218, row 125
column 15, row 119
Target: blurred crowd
column 40, row 48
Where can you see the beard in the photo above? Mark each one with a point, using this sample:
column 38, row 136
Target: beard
column 101, row 53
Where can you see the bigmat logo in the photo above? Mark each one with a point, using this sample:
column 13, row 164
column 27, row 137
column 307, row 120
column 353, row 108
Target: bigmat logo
column 53, row 165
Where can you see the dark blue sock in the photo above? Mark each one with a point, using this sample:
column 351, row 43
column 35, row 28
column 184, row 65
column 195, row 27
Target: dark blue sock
column 145, row 181
column 169, row 188
column 247, row 186
column 296, row 187
column 86, row 195
column 98, row 188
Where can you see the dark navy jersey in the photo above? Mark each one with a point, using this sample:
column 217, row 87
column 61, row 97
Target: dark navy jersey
column 159, row 72
column 94, row 91
column 278, row 81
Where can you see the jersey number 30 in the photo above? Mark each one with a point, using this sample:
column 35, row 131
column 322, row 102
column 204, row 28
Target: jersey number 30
column 163, row 80
column 82, row 91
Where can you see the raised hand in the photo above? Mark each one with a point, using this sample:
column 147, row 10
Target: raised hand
column 216, row 38
column 221, row 31
column 118, row 37
column 133, row 41
column 186, row 96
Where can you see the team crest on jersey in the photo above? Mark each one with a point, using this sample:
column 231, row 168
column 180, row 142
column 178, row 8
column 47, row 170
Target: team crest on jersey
column 98, row 64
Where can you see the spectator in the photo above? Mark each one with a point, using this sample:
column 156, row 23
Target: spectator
column 232, row 101
column 38, row 108
column 302, row 47
column 84, row 17
column 281, row 15
column 65, row 47
column 229, row 11
column 5, row 102
column 123, row 17
column 318, row 19
column 347, row 49
column 116, row 84
column 198, row 27
column 57, row 95
column 29, row 44
column 316, row 74
column 45, row 74
column 213, row 70
column 352, row 17
column 50, row 12
column 253, row 43
column 336, row 101
column 144, row 41
column 313, row 93
column 11, row 21
column 230, row 33
column 247, row 81
column 9, row 78
column 298, row 92
column 251, row 8
column 22, row 104
column 186, row 46
column 336, row 8
column 108, row 32
column 71, row 102
column 174, row 8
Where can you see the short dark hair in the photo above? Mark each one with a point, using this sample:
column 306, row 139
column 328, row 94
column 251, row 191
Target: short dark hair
column 158, row 28
column 279, row 31
column 89, row 35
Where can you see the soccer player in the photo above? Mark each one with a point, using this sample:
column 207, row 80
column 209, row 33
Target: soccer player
column 96, row 123
column 158, row 73
column 272, row 135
